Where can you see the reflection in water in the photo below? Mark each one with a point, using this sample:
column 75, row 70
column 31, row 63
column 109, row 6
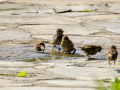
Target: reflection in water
column 41, row 59
column 52, row 54
column 59, row 53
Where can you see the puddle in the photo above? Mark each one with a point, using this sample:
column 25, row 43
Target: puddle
column 59, row 53
column 28, row 54
column 56, row 55
column 41, row 59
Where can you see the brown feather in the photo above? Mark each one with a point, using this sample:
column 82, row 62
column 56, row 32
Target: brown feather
column 39, row 46
column 112, row 54
column 57, row 38
column 91, row 49
column 67, row 45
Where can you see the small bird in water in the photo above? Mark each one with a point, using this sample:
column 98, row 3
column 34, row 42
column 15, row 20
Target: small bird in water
column 39, row 46
column 91, row 50
column 57, row 38
column 67, row 45
column 112, row 54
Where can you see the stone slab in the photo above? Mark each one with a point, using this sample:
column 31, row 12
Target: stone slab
column 81, row 73
column 104, row 64
column 14, row 64
column 72, row 83
column 114, row 8
column 10, row 6
column 78, row 14
column 44, row 88
column 51, row 29
column 91, row 40
column 110, row 25
column 84, row 7
column 115, row 20
column 3, row 0
column 46, row 11
column 21, row 52
column 13, row 35
column 92, row 18
column 32, row 19
column 61, row 9
column 8, row 83
column 65, row 2
column 2, row 28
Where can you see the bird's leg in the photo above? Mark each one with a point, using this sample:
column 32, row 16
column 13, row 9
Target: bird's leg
column 59, row 48
column 110, row 63
column 68, row 52
column 53, row 47
column 36, row 51
column 43, row 51
column 74, row 51
column 90, row 57
column 114, row 63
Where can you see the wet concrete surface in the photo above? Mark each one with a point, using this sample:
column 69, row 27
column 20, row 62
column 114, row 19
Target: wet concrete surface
column 27, row 53
column 21, row 24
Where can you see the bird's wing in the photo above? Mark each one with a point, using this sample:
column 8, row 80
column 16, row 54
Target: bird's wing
column 71, row 42
column 87, row 47
column 109, row 54
column 112, row 53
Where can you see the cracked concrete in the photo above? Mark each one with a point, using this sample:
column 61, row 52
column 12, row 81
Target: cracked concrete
column 23, row 22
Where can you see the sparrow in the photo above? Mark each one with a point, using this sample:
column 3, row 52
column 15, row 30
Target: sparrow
column 57, row 38
column 39, row 46
column 112, row 54
column 91, row 50
column 67, row 45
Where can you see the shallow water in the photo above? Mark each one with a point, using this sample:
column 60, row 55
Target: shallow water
column 28, row 54
column 40, row 59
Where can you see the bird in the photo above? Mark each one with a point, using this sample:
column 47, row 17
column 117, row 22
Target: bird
column 39, row 46
column 67, row 45
column 91, row 50
column 112, row 55
column 57, row 38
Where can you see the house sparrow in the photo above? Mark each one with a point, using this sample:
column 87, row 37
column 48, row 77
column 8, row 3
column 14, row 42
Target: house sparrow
column 39, row 46
column 57, row 38
column 91, row 50
column 67, row 45
column 112, row 54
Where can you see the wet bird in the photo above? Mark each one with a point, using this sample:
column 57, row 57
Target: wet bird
column 57, row 38
column 67, row 45
column 112, row 54
column 91, row 50
column 39, row 46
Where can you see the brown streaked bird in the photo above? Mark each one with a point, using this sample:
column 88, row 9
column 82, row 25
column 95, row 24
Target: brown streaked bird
column 91, row 50
column 67, row 45
column 112, row 54
column 57, row 38
column 39, row 46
